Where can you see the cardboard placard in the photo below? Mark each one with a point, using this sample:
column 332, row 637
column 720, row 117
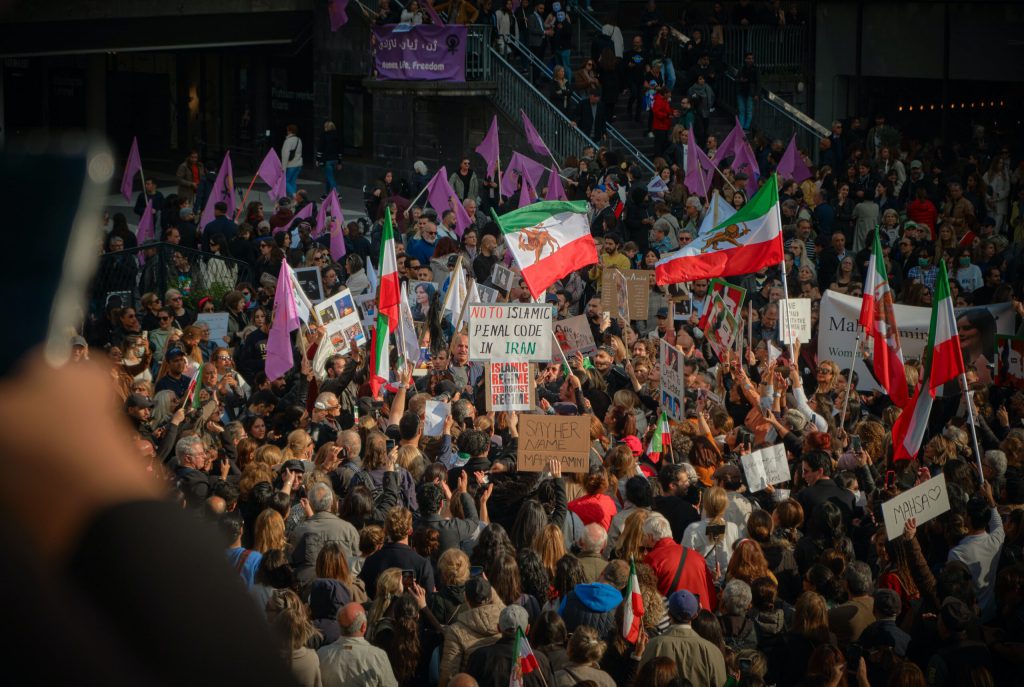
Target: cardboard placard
column 218, row 324
column 434, row 416
column 510, row 331
column 341, row 320
column 554, row 437
column 798, row 324
column 672, row 380
column 502, row 277
column 766, row 466
column 1010, row 361
column 312, row 283
column 722, row 328
column 509, row 386
column 638, row 292
column 924, row 502
column 574, row 334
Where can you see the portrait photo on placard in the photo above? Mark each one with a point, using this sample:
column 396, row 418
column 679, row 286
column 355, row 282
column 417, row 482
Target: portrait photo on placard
column 311, row 282
column 421, row 299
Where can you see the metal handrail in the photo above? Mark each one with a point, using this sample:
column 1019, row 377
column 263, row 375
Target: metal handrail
column 514, row 92
column 612, row 133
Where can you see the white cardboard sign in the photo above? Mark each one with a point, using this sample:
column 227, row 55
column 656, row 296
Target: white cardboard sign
column 766, row 466
column 798, row 324
column 924, row 502
column 518, row 332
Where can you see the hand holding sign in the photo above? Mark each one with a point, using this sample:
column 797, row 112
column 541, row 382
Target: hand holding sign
column 920, row 504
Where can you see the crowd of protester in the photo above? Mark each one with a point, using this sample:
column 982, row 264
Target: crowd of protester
column 378, row 555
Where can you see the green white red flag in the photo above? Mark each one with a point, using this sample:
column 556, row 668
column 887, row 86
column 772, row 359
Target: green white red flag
column 878, row 317
column 633, row 608
column 524, row 661
column 548, row 239
column 943, row 363
column 743, row 243
column 660, row 440
column 388, row 300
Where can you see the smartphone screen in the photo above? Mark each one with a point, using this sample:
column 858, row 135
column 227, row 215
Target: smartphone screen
column 408, row 577
column 855, row 444
column 60, row 185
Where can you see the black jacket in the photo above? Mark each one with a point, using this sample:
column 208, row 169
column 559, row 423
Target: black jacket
column 452, row 531
column 492, row 665
column 393, row 555
column 591, row 123
column 330, row 148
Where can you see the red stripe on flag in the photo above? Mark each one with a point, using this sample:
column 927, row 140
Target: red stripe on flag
column 947, row 363
column 569, row 258
column 723, row 263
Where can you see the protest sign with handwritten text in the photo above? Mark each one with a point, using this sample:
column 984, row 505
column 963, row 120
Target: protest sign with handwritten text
column 766, row 466
column 554, row 437
column 510, row 331
column 924, row 502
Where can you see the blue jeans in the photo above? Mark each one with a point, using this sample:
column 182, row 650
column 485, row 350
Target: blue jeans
column 291, row 177
column 745, row 105
column 329, row 183
column 669, row 70
column 562, row 57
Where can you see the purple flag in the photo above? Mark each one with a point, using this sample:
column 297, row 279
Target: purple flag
column 330, row 203
column 533, row 138
column 272, row 172
column 526, row 193
column 792, row 165
column 441, row 196
column 745, row 162
column 731, row 143
column 518, row 166
column 699, row 168
column 338, row 249
column 337, row 9
column 305, row 213
column 428, row 7
column 555, row 190
column 286, row 320
column 223, row 191
column 488, row 148
column 131, row 167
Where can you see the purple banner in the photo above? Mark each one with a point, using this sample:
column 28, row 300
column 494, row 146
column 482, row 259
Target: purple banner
column 420, row 53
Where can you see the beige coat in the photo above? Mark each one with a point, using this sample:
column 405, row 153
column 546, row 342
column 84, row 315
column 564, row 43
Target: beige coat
column 472, row 629
column 697, row 659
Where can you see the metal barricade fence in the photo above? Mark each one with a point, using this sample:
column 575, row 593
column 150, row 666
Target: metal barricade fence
column 123, row 277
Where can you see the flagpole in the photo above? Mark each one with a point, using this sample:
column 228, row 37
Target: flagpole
column 241, row 208
column 782, row 268
column 974, row 433
column 413, row 201
column 849, row 375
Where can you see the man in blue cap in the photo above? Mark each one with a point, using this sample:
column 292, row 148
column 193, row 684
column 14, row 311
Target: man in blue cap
column 697, row 659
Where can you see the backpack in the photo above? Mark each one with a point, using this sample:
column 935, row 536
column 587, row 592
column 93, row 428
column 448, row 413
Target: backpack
column 365, row 479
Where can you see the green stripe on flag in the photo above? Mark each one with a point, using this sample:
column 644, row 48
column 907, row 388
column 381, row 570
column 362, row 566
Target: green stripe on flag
column 535, row 213
column 763, row 202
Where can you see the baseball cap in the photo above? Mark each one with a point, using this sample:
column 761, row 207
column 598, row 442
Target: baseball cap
column 916, row 164
column 512, row 617
column 478, row 590
column 662, row 312
column 78, row 341
column 139, row 401
column 683, row 605
column 174, row 353
column 294, row 465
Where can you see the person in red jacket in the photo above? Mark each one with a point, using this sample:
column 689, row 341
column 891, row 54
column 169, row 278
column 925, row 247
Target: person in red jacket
column 662, row 114
column 922, row 210
column 677, row 566
column 596, row 506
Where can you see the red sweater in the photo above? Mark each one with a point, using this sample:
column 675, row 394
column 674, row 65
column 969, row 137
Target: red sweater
column 597, row 508
column 664, row 558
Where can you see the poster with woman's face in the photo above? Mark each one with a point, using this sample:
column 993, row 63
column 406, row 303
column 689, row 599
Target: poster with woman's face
column 421, row 295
